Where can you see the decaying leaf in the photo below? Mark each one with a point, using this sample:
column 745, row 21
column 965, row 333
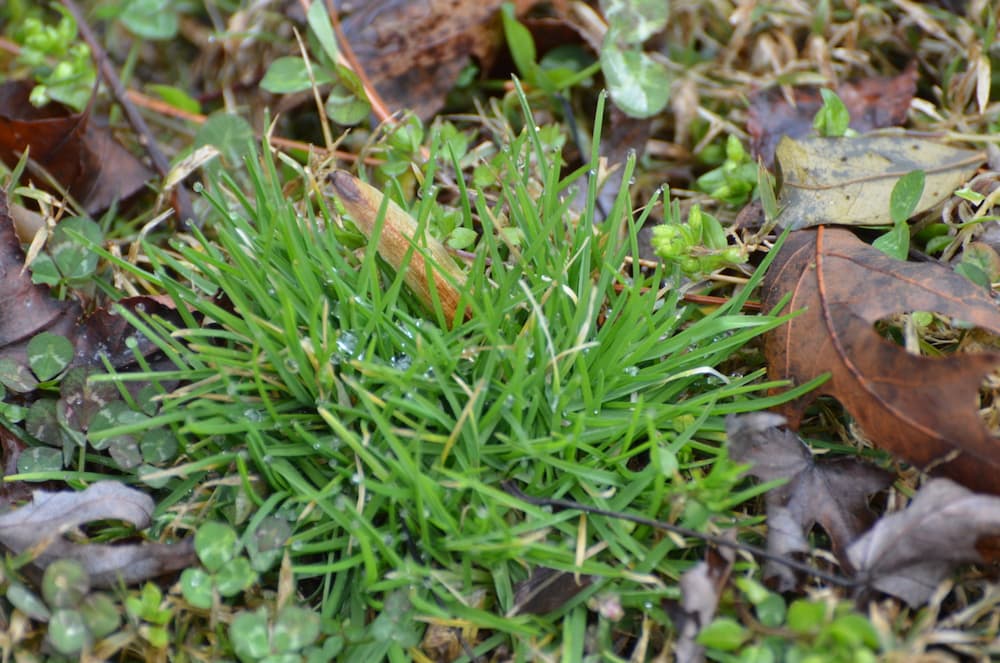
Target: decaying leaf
column 40, row 527
column 908, row 553
column 422, row 258
column 546, row 590
column 873, row 103
column 82, row 157
column 414, row 51
column 847, row 181
column 924, row 410
column 833, row 494
column 26, row 309
column 701, row 586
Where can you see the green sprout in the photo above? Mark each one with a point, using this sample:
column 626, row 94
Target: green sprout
column 698, row 246
column 733, row 182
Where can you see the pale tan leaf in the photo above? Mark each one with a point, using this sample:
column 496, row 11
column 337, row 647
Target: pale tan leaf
column 848, row 181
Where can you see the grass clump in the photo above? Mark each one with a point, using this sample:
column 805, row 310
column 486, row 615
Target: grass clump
column 316, row 391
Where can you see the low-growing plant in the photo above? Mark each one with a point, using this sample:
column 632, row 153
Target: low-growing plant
column 386, row 435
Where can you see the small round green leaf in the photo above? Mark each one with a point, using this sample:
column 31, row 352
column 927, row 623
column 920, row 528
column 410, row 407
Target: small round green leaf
column 67, row 631
column 27, row 602
column 65, row 583
column 39, row 459
column 294, row 629
column 639, row 85
column 49, row 354
column 16, row 376
column 100, row 614
column 806, row 616
column 150, row 19
column 248, row 634
column 723, row 633
column 290, row 74
column 635, row 21
column 215, row 544
column 70, row 247
column 196, row 586
column 235, row 577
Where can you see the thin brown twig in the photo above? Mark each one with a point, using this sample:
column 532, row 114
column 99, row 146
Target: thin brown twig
column 181, row 198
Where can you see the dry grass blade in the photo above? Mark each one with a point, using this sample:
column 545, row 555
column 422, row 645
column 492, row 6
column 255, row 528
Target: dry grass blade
column 401, row 243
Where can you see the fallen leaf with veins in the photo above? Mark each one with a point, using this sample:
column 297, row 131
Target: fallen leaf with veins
column 40, row 526
column 908, row 553
column 849, row 181
column 921, row 409
column 833, row 494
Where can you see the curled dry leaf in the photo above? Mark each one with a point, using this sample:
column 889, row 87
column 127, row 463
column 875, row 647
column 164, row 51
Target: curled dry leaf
column 921, row 409
column 82, row 157
column 40, row 527
column 833, row 494
column 848, row 181
column 908, row 553
column 873, row 103
column 419, row 256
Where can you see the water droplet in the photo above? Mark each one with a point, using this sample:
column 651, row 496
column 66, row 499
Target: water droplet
column 251, row 414
column 347, row 343
column 357, row 478
column 401, row 362
column 632, row 371
column 291, row 365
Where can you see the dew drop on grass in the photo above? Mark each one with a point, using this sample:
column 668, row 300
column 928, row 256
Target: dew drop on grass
column 347, row 343
column 357, row 478
column 632, row 371
column 291, row 365
column 401, row 361
column 251, row 414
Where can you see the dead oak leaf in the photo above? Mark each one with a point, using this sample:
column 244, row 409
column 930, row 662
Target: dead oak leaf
column 833, row 494
column 40, row 527
column 908, row 553
column 921, row 409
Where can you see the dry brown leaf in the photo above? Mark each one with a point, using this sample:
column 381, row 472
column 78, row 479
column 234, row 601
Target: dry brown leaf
column 873, row 103
column 413, row 52
column 924, row 410
column 546, row 590
column 908, row 553
column 701, row 586
column 82, row 157
column 26, row 309
column 422, row 258
column 848, row 181
column 40, row 527
column 833, row 494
